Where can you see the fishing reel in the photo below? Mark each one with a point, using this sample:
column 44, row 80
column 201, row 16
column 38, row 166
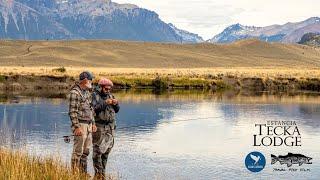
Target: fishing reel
column 67, row 139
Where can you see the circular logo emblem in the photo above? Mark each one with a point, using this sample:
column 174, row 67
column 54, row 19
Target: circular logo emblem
column 255, row 161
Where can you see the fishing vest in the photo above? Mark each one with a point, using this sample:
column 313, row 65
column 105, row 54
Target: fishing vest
column 107, row 115
column 85, row 111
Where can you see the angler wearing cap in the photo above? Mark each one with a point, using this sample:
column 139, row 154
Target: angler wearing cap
column 82, row 121
column 105, row 107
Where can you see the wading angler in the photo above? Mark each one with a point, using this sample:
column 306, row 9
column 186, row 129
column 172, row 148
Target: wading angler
column 105, row 106
column 278, row 135
column 81, row 115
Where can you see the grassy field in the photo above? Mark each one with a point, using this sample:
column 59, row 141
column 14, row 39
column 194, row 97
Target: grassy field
column 247, row 58
column 18, row 166
column 139, row 64
column 121, row 54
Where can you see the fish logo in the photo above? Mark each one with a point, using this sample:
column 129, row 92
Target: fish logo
column 291, row 159
column 255, row 161
column 255, row 158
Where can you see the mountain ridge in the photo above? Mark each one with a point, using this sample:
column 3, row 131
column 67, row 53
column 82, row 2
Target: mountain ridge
column 290, row 32
column 311, row 39
column 81, row 19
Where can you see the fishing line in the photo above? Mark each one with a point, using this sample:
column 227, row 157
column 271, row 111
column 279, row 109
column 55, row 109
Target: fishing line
column 67, row 138
column 165, row 122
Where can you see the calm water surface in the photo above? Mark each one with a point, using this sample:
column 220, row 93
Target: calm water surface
column 212, row 147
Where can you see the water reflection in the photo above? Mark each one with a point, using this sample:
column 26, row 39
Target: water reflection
column 197, row 149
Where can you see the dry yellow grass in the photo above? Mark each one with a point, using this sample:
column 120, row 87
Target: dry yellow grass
column 18, row 166
column 120, row 54
column 135, row 64
column 242, row 72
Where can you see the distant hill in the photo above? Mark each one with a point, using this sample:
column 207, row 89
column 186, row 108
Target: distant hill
column 85, row 19
column 287, row 33
column 312, row 39
column 121, row 54
column 186, row 36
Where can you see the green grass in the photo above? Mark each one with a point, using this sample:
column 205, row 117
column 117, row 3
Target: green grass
column 60, row 69
column 166, row 82
column 2, row 78
column 131, row 82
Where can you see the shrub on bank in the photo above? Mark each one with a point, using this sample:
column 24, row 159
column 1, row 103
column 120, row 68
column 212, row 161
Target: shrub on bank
column 60, row 69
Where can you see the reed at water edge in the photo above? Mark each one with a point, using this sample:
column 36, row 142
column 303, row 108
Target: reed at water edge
column 16, row 165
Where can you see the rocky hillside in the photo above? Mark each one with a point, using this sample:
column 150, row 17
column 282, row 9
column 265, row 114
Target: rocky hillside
column 18, row 21
column 312, row 39
column 288, row 33
column 85, row 19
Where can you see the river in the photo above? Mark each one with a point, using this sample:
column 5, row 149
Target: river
column 188, row 135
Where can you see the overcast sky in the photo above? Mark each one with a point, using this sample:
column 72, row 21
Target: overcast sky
column 209, row 17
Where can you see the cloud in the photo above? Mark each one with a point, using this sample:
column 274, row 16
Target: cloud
column 209, row 17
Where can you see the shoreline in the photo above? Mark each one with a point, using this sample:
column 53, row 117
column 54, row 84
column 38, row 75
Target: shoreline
column 156, row 81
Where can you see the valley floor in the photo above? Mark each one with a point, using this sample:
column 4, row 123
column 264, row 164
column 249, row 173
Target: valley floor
column 245, row 64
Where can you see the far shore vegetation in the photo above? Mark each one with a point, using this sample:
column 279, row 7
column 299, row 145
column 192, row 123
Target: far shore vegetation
column 217, row 79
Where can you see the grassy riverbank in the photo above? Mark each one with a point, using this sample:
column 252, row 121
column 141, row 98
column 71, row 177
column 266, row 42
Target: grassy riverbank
column 18, row 166
column 258, row 79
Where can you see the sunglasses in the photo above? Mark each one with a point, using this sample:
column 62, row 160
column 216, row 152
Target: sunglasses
column 107, row 88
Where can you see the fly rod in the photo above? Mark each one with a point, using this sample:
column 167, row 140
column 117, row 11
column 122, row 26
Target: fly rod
column 67, row 138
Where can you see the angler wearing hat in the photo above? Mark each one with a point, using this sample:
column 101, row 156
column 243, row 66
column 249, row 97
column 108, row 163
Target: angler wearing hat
column 105, row 107
column 82, row 120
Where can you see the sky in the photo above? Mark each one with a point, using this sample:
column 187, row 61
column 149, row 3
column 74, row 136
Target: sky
column 209, row 17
